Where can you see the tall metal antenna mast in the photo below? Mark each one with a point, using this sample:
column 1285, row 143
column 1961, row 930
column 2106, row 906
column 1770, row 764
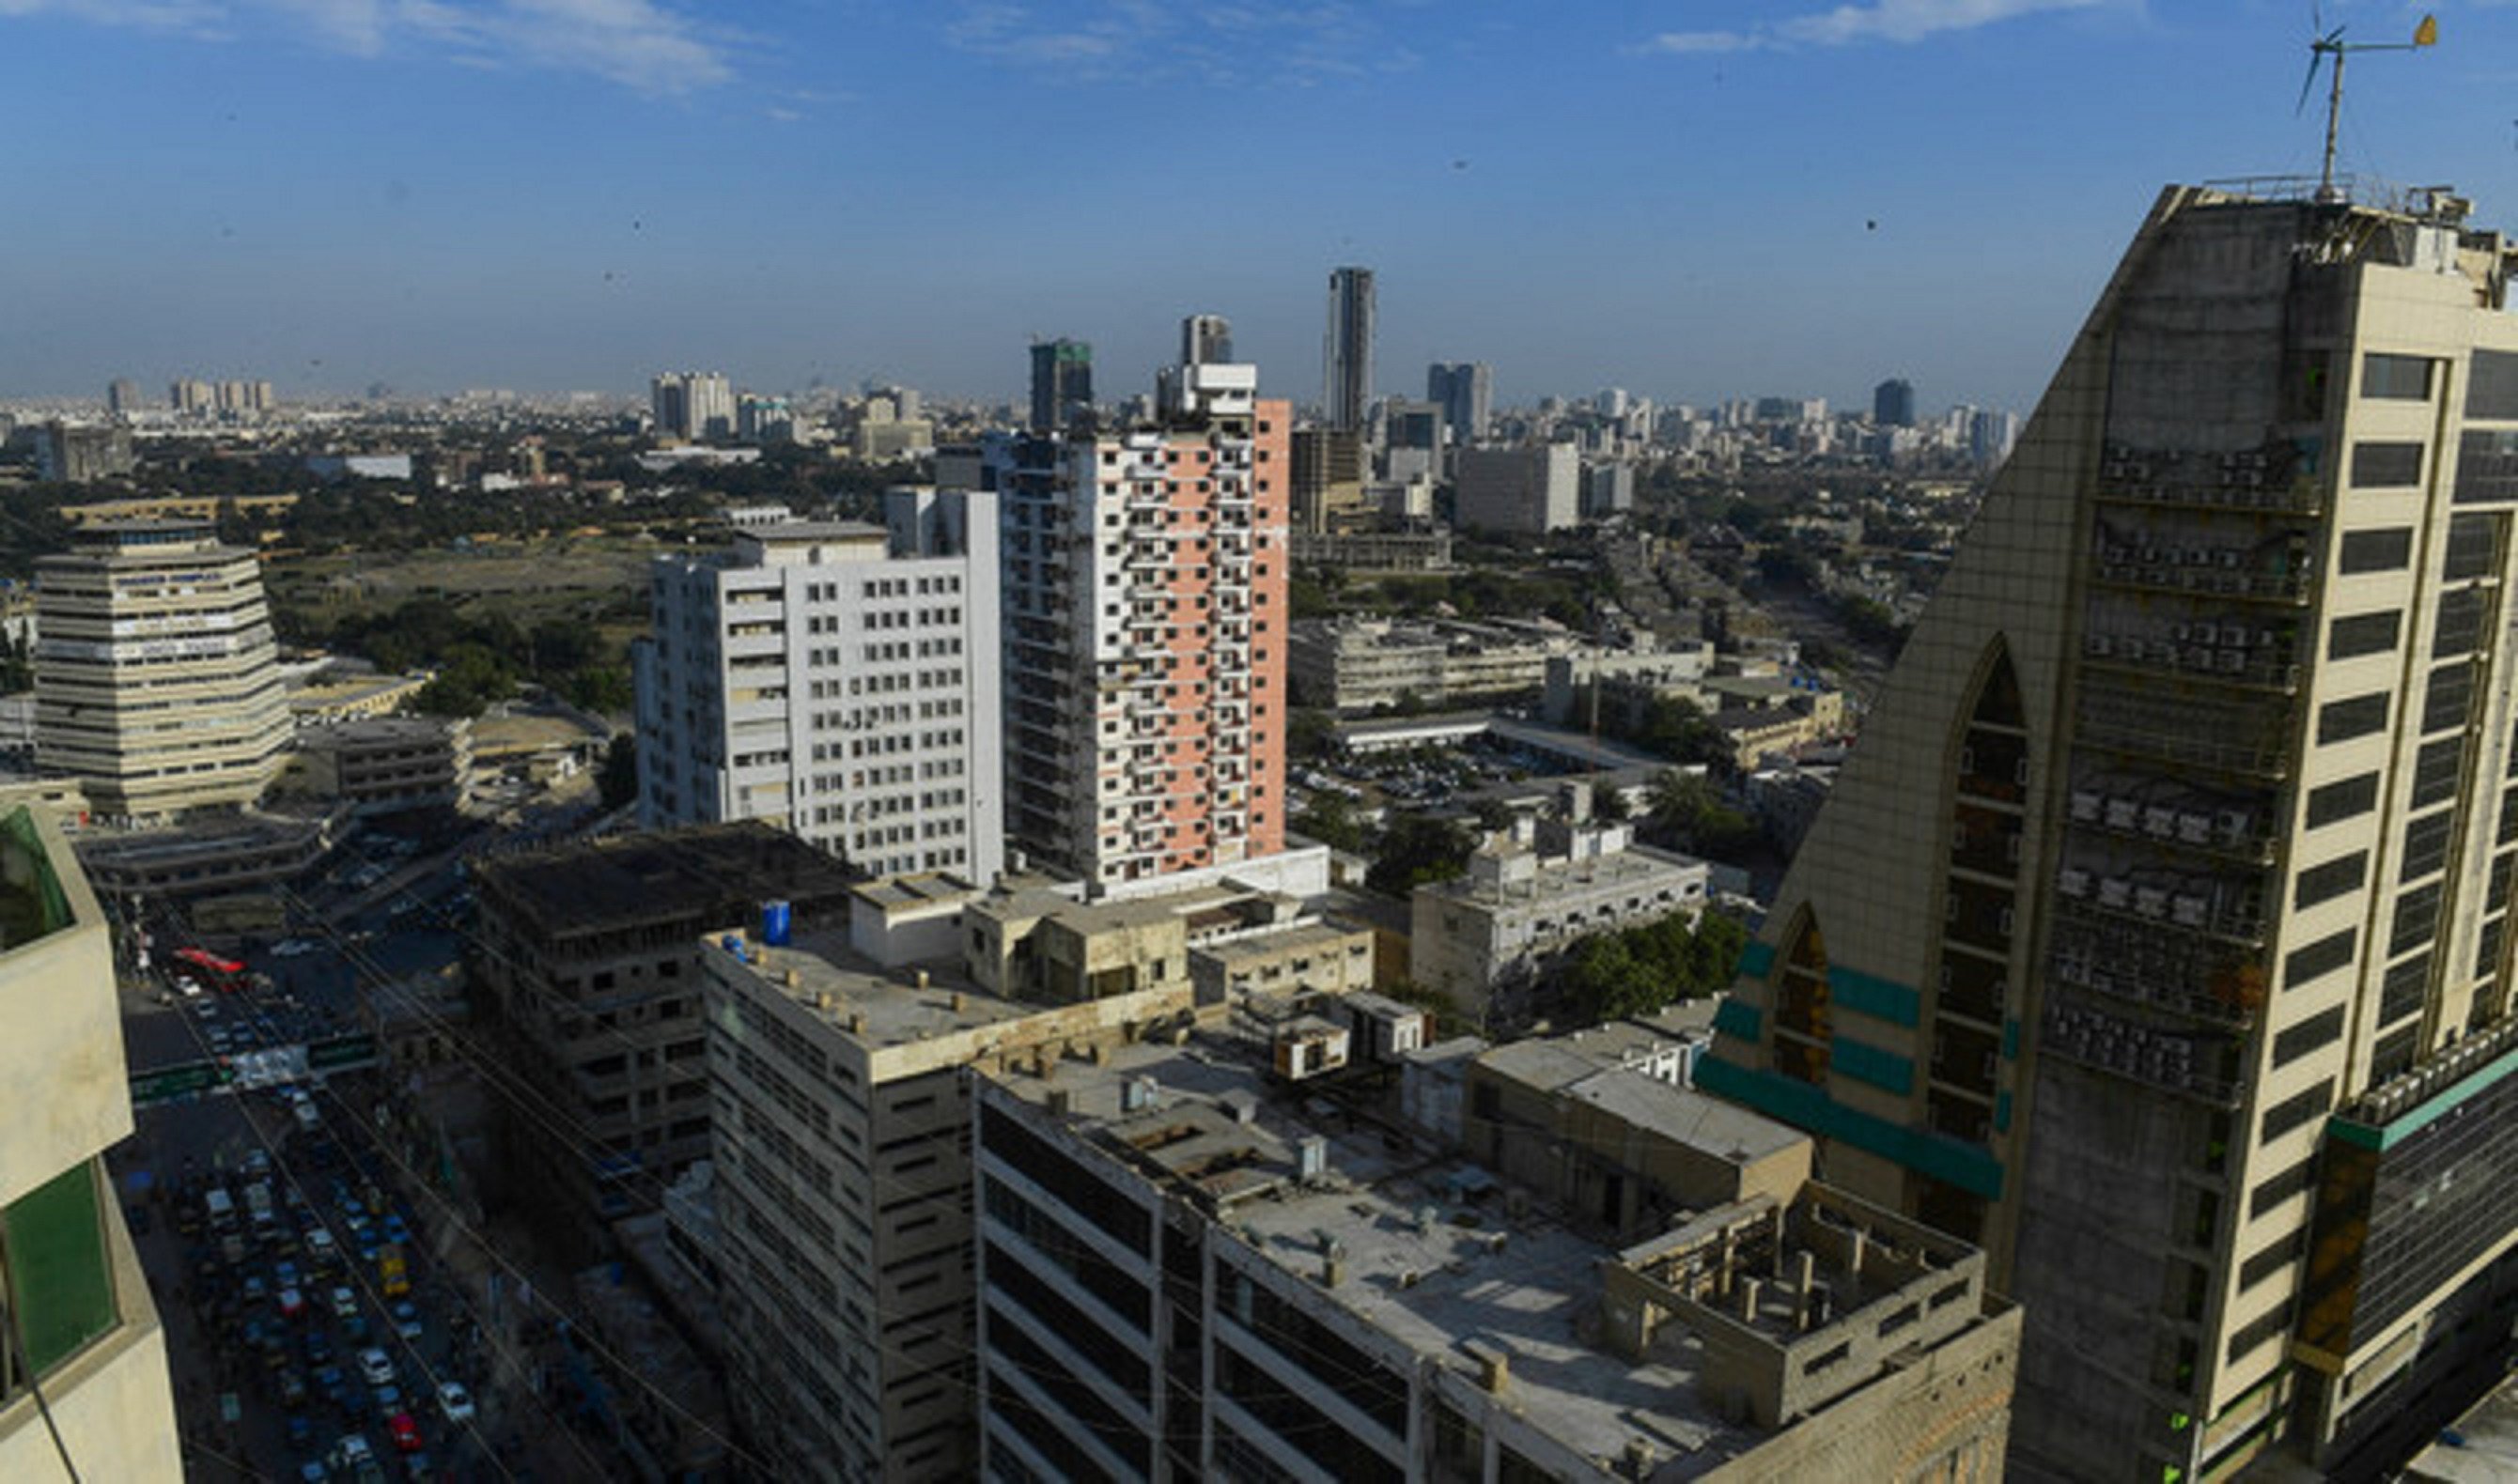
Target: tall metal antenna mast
column 2333, row 44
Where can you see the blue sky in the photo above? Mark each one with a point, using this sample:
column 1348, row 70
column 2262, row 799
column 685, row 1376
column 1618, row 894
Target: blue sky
column 1689, row 200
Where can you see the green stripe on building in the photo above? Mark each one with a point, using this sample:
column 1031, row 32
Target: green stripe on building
column 1965, row 1165
column 1875, row 997
column 2381, row 1136
column 1755, row 959
column 1735, row 1016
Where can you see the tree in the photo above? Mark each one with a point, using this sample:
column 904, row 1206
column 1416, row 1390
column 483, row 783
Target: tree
column 1415, row 849
column 618, row 782
column 1331, row 821
column 1640, row 969
column 1609, row 804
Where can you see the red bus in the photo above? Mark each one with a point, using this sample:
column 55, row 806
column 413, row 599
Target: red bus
column 226, row 975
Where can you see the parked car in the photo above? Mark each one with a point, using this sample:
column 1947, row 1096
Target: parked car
column 406, row 1432
column 455, row 1402
column 376, row 1368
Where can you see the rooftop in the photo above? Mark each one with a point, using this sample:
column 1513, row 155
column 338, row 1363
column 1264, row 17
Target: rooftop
column 584, row 887
column 877, row 1006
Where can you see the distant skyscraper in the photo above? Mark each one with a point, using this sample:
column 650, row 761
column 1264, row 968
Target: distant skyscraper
column 191, row 394
column 1466, row 391
column 122, row 398
column 2158, row 929
column 1062, row 382
column 693, row 404
column 1145, row 621
column 1893, row 402
column 1205, row 339
column 1346, row 392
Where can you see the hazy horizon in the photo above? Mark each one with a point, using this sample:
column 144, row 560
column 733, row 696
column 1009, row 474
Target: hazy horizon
column 1691, row 202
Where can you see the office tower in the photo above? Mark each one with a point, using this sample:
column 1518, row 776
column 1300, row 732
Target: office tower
column 122, row 398
column 79, row 455
column 83, row 1330
column 1346, row 391
column 1195, row 1261
column 1145, row 632
column 1062, row 383
column 1466, row 391
column 2157, row 929
column 839, row 679
column 156, row 683
column 192, row 396
column 764, row 419
column 1521, row 491
column 1205, row 339
column 693, row 404
column 1327, row 478
column 585, row 977
column 841, row 1069
column 1990, row 434
column 1892, row 404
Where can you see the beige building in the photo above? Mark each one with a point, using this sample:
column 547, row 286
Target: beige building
column 1486, row 940
column 1194, row 1267
column 1352, row 664
column 843, row 1197
column 1232, row 942
column 2155, row 934
column 155, row 681
column 385, row 764
column 85, row 1329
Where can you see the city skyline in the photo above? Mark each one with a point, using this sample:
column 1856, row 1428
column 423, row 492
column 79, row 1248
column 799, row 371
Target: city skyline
column 1713, row 202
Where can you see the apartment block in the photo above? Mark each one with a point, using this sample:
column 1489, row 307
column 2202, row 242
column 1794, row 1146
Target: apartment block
column 838, row 679
column 1354, row 664
column 1192, row 1266
column 840, row 1089
column 1518, row 491
column 1145, row 636
column 380, row 765
column 2155, row 934
column 1234, row 944
column 156, row 684
column 84, row 1330
column 587, row 967
column 1487, row 939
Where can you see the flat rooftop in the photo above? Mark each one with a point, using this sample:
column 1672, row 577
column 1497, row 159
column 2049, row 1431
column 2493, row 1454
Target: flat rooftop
column 1434, row 1253
column 1566, row 876
column 877, row 1006
column 654, row 878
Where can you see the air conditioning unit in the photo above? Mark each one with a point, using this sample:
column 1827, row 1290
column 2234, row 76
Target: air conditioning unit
column 2150, row 902
column 2116, row 891
column 2123, row 814
column 2159, row 821
column 2087, row 804
column 2194, row 828
column 2072, row 883
column 2189, row 911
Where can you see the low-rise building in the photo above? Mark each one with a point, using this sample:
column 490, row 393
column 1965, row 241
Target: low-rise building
column 1354, row 664
column 384, row 764
column 1192, row 1267
column 1485, row 939
column 1372, row 550
column 1628, row 681
column 1518, row 491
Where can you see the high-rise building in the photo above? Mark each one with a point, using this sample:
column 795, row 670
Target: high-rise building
column 2157, row 930
column 1346, row 390
column 85, row 1378
column 839, row 679
column 1062, row 383
column 1466, row 391
column 1327, row 478
column 1990, row 434
column 761, row 419
column 1523, row 492
column 1892, row 404
column 192, row 396
column 1205, row 339
column 122, row 398
column 157, row 682
column 693, row 404
column 77, row 454
column 1144, row 635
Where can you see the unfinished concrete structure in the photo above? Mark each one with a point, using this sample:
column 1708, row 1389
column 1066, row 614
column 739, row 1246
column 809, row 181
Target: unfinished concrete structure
column 2174, row 865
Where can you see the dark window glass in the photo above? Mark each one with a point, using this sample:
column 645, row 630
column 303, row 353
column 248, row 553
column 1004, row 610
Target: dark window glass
column 2508, row 830
column 2318, row 1030
column 2459, row 623
column 2417, row 919
column 2345, row 799
column 2254, row 1337
column 2343, row 720
column 2473, row 546
column 2446, row 699
column 2298, row 1109
column 2359, row 634
column 2325, row 884
column 2487, row 466
column 2278, row 1255
column 2394, row 1053
column 59, row 1277
column 2426, row 844
column 2492, row 386
column 2436, row 770
column 2291, row 1183
column 2486, row 947
column 2388, row 549
column 2406, row 988
column 2321, row 958
column 2386, row 466
column 2498, row 896
column 2397, row 379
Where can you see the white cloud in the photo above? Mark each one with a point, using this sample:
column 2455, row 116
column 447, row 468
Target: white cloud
column 1901, row 20
column 1227, row 43
column 637, row 43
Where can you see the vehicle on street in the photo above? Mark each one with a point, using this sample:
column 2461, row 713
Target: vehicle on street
column 406, row 1432
column 406, row 1320
column 293, row 1304
column 453, row 1401
column 375, row 1367
column 352, row 1451
column 391, row 1271
column 344, row 1302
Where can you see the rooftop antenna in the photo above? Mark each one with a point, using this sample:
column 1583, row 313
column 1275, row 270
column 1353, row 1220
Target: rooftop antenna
column 2332, row 44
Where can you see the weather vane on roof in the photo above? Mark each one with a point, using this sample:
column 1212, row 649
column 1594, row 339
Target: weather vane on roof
column 2333, row 44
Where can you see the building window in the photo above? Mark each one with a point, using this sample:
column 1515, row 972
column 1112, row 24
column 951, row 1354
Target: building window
column 2339, row 721
column 2359, row 634
column 59, row 1275
column 2313, row 1034
column 2343, row 800
column 2298, row 1109
column 2396, row 378
column 2386, row 466
column 2325, row 884
column 2318, row 959
column 2390, row 549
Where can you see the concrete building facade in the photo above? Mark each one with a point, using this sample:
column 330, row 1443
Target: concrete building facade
column 1346, row 353
column 840, row 680
column 157, row 682
column 1518, row 491
column 2156, row 933
column 1144, row 608
column 1466, row 391
column 84, row 1330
